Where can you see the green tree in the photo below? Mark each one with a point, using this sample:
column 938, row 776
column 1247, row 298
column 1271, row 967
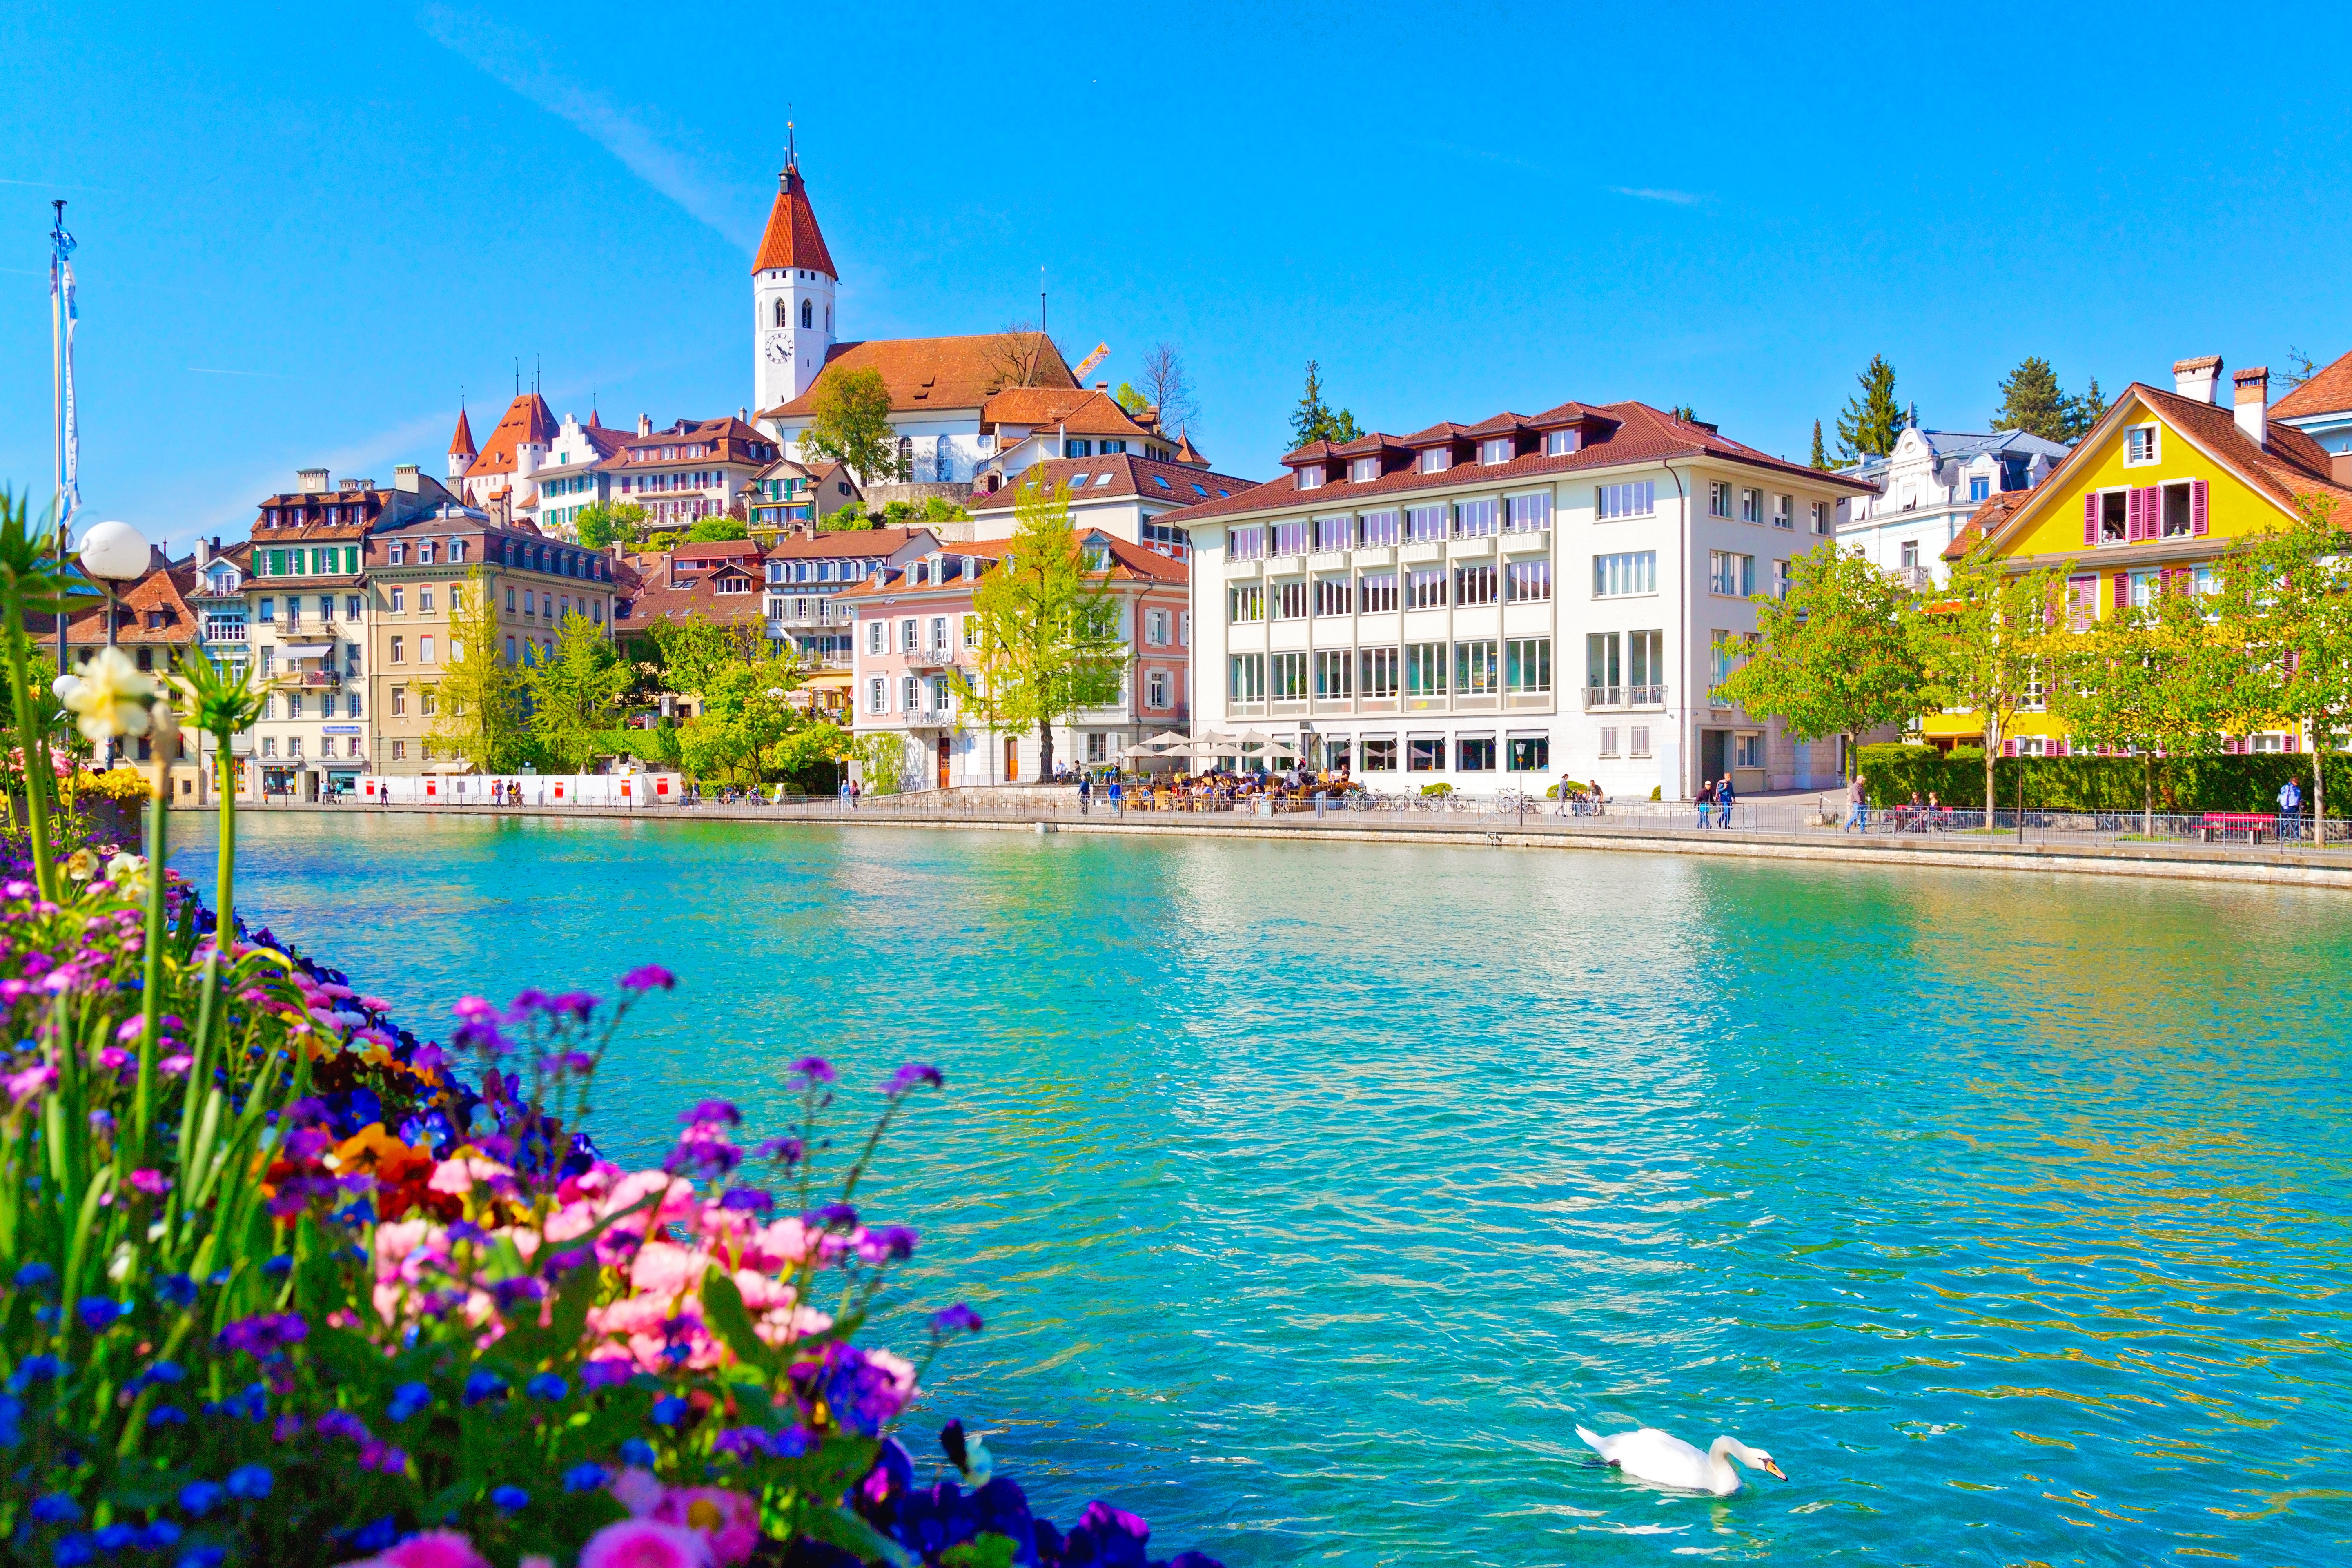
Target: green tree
column 2285, row 603
column 1049, row 642
column 478, row 704
column 1837, row 657
column 1982, row 645
column 2089, row 409
column 1313, row 420
column 603, row 523
column 1684, row 412
column 694, row 653
column 850, row 519
column 849, row 422
column 938, row 508
column 1819, row 459
column 576, row 695
column 1132, row 401
column 717, row 529
column 2031, row 401
column 2151, row 680
column 1872, row 421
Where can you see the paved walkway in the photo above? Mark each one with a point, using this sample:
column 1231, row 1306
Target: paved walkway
column 1654, row 833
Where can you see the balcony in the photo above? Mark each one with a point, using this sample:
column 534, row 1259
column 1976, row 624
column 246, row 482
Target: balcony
column 1918, row 579
column 326, row 679
column 1624, row 697
column 223, row 631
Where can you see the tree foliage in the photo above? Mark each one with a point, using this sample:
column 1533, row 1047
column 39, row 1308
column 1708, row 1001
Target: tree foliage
column 602, row 524
column 1819, row 459
column 2031, row 401
column 1837, row 657
column 577, row 694
column 849, row 422
column 1981, row 642
column 1313, row 420
column 479, row 702
column 717, row 529
column 1049, row 638
column 1017, row 355
column 1873, row 419
column 2151, row 679
column 2285, row 601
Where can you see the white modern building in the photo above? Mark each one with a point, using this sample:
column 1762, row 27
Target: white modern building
column 1507, row 604
column 1921, row 494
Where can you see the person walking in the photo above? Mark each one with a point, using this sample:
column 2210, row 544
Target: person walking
column 1706, row 802
column 1115, row 795
column 854, row 792
column 845, row 794
column 2290, row 799
column 1857, row 798
column 1724, row 800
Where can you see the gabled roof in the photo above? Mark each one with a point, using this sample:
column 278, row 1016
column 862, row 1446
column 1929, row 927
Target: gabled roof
column 527, row 419
column 849, row 544
column 1187, row 453
column 2328, row 391
column 1082, row 410
column 792, row 239
column 1637, row 434
column 932, row 372
column 2287, row 466
column 728, row 440
column 1951, row 445
column 1177, row 484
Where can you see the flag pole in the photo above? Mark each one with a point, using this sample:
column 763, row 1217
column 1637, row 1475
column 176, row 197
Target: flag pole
column 61, row 244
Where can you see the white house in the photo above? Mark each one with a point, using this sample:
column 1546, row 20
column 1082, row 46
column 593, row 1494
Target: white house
column 1923, row 493
column 1506, row 603
column 1119, row 493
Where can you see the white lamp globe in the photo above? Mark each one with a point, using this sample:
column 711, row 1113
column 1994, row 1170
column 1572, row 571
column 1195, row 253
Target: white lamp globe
column 114, row 551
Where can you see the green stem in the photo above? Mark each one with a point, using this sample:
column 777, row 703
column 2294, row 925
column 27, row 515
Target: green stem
column 224, row 887
column 152, row 998
column 34, row 745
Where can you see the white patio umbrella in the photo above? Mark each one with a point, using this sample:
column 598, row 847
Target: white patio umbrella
column 1253, row 740
column 1170, row 739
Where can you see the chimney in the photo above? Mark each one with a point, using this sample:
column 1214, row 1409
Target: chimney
column 311, row 481
column 1102, row 386
column 644, row 423
column 204, row 552
column 2198, row 380
column 2254, row 403
column 742, row 415
column 403, row 477
column 2339, row 467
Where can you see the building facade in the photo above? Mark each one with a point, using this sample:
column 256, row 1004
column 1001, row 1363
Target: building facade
column 1507, row 604
column 1117, row 493
column 2321, row 408
column 916, row 641
column 2146, row 503
column 694, row 469
column 1926, row 490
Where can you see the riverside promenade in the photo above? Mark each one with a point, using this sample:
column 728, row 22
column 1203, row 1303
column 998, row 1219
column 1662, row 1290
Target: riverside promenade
column 1774, row 829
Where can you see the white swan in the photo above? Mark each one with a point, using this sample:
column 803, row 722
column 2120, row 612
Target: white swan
column 1652, row 1455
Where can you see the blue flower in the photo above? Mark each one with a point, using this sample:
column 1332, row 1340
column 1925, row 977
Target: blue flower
column 513, row 1499
column 585, row 1478
column 277, row 1265
column 250, row 1481
column 161, row 1372
column 71, row 1550
column 484, row 1384
column 199, row 1498
column 547, row 1386
column 35, row 1369
column 116, row 1536
column 56, row 1507
column 175, row 1290
column 33, row 1276
column 408, row 1399
column 167, row 1415
column 203, row 1557
column 669, row 1409
column 376, row 1535
column 638, row 1452
column 12, row 1413
column 159, row 1532
column 98, row 1313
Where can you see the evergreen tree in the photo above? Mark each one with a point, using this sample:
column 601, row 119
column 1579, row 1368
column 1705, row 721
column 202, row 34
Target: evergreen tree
column 1313, row 420
column 1819, row 458
column 2089, row 409
column 1684, row 412
column 2031, row 402
column 1871, row 422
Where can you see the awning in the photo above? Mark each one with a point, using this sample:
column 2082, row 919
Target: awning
column 1528, row 734
column 306, row 649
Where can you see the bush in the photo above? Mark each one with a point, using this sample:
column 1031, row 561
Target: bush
column 1435, row 791
column 2220, row 782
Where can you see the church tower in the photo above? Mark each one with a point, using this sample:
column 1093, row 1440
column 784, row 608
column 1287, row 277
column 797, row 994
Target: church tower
column 792, row 285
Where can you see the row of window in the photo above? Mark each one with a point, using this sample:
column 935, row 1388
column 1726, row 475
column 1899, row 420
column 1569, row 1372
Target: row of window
column 295, row 702
column 1745, row 503
column 694, row 480
column 1379, row 593
column 1160, row 627
column 2142, row 513
column 1490, row 453
column 1477, row 668
column 1490, row 515
column 1427, row 753
column 265, row 609
column 318, row 561
column 326, row 747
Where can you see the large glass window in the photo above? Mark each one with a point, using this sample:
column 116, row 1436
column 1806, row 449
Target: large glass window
column 1425, row 754
column 1376, row 593
column 1376, row 529
column 1477, row 584
column 1530, row 753
column 1621, row 577
column 1424, row 670
column 1638, row 498
column 1334, row 532
column 1527, row 514
column 1646, row 664
column 1379, row 756
column 1528, row 580
column 1288, row 672
column 1424, row 524
column 1603, row 669
column 1248, row 674
column 1245, row 603
column 1731, row 574
column 1425, row 589
column 1478, row 668
column 1377, row 665
column 1475, row 518
column 1331, row 595
column 1475, row 753
column 1290, row 538
column 1334, row 675
column 1527, row 664
column 1290, row 600
column 1247, row 543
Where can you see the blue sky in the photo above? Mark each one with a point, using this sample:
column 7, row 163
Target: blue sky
column 303, row 230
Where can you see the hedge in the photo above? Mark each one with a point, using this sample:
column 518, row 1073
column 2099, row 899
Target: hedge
column 2220, row 782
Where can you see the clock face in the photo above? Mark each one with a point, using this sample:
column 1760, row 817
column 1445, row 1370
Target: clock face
column 779, row 349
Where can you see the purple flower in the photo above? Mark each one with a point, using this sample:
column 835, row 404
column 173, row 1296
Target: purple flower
column 785, row 1151
column 263, row 1332
column 748, row 1200
column 529, row 1000
column 744, row 1441
column 607, row 1372
column 711, row 1110
column 958, row 1319
column 904, row 1079
column 476, row 1010
column 154, row 1183
column 342, row 1424
column 649, row 978
column 576, row 1004
column 831, row 1215
column 887, row 1244
column 814, row 1070
column 382, row 1458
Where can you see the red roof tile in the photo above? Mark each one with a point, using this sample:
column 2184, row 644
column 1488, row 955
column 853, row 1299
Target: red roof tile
column 2328, row 391
column 527, row 419
column 1130, row 476
column 933, row 372
column 792, row 239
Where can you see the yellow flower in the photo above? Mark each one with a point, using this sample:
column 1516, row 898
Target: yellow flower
column 110, row 693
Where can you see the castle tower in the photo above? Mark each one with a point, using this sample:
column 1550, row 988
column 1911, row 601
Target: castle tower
column 793, row 284
column 461, row 446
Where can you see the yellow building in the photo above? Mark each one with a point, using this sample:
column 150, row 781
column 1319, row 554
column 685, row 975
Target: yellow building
column 2155, row 492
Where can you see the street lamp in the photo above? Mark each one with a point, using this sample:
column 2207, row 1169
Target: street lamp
column 114, row 553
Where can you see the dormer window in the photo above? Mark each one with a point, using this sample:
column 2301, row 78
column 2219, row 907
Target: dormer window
column 399, row 553
column 1497, row 450
column 1310, row 476
column 1560, row 443
column 425, row 554
column 457, row 550
column 2140, row 444
column 1364, row 470
column 1437, row 460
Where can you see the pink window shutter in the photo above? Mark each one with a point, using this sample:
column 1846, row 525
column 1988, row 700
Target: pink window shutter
column 2197, row 508
column 2292, row 741
column 2091, row 518
column 2151, row 511
column 2009, row 748
column 2131, row 515
column 2123, row 590
column 2062, row 745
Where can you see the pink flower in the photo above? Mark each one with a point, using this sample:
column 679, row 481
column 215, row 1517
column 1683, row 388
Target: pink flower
column 433, row 1549
column 32, row 1080
column 637, row 1489
column 173, row 1065
column 154, row 1183
column 642, row 1543
column 728, row 1520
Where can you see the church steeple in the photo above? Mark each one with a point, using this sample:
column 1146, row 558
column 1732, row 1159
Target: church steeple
column 793, row 282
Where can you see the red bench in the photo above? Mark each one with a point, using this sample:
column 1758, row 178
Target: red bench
column 2252, row 824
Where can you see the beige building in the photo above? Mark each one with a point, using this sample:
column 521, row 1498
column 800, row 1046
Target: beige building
column 419, row 574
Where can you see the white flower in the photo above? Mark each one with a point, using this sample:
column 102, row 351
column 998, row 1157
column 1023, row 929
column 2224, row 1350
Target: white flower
column 110, row 693
column 126, row 869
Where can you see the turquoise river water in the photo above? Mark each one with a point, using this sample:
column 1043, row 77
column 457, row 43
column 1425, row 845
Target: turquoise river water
column 1314, row 1193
